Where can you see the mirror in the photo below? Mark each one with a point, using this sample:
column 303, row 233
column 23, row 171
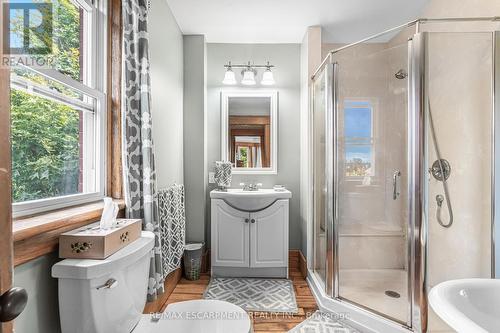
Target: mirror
column 249, row 131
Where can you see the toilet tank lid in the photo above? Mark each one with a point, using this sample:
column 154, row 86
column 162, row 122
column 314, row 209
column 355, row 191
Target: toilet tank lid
column 91, row 268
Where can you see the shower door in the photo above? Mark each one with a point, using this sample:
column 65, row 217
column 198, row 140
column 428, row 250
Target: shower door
column 321, row 102
column 384, row 111
column 372, row 193
column 360, row 154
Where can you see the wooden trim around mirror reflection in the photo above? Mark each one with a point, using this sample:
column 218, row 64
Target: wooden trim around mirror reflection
column 269, row 130
column 256, row 126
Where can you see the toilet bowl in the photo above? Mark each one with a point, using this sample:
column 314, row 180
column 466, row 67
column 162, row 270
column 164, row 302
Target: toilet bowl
column 108, row 296
column 203, row 316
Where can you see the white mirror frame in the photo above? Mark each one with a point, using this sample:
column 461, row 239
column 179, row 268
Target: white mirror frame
column 273, row 95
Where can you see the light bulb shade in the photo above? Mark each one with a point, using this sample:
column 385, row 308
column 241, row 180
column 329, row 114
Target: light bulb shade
column 229, row 77
column 267, row 78
column 248, row 78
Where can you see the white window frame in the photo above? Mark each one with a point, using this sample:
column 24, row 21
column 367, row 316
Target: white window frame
column 94, row 42
column 371, row 105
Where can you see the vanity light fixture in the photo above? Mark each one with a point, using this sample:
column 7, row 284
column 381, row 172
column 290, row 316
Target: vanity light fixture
column 249, row 73
column 229, row 77
column 267, row 77
column 248, row 76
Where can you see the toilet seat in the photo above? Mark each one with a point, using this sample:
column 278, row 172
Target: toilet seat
column 197, row 316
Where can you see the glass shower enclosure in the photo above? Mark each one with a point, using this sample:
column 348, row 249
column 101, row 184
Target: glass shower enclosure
column 384, row 110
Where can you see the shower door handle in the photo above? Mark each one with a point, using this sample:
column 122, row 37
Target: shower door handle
column 395, row 192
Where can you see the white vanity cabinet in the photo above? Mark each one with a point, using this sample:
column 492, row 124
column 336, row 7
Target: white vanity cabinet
column 269, row 236
column 249, row 243
column 230, row 236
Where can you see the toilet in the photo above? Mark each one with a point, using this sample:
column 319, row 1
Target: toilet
column 108, row 296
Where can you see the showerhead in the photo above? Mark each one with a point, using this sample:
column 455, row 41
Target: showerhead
column 401, row 74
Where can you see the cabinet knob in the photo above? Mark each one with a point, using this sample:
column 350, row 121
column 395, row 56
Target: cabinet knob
column 252, row 220
column 246, row 220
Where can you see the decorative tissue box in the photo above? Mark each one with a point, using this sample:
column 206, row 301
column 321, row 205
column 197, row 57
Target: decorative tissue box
column 91, row 242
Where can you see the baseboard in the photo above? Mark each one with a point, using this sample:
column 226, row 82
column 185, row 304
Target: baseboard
column 169, row 285
column 296, row 260
column 302, row 265
column 244, row 272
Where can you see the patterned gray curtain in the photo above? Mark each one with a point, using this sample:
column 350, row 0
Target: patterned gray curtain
column 139, row 167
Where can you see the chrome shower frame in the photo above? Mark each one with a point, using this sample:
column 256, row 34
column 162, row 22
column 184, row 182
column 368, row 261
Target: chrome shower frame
column 417, row 186
column 495, row 208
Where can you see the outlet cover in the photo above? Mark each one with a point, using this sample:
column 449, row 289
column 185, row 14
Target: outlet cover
column 211, row 177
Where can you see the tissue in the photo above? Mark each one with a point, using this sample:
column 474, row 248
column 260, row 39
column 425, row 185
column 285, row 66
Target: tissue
column 109, row 213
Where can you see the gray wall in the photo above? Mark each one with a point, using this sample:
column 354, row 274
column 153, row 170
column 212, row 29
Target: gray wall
column 195, row 136
column 42, row 311
column 166, row 56
column 310, row 58
column 42, row 314
column 286, row 58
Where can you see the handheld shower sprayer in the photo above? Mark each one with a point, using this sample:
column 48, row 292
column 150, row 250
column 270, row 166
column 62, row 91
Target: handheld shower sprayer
column 440, row 170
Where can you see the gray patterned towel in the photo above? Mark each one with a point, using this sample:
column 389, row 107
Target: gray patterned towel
column 223, row 173
column 172, row 226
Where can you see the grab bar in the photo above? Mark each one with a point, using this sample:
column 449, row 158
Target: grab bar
column 395, row 193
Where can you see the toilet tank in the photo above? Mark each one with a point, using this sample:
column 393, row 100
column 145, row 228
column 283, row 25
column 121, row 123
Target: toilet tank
column 87, row 307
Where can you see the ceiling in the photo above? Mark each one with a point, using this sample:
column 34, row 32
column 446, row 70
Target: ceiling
column 285, row 21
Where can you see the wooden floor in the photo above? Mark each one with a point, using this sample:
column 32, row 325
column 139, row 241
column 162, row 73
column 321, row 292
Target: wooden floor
column 262, row 322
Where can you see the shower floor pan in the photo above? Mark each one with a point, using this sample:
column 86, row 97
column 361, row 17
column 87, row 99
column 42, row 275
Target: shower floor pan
column 377, row 289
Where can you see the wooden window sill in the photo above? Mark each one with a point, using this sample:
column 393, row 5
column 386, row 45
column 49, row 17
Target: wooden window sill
column 37, row 235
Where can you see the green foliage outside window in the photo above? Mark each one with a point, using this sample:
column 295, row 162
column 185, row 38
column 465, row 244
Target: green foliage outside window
column 46, row 133
column 45, row 150
column 244, row 157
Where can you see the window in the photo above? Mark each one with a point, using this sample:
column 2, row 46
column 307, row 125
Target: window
column 242, row 157
column 248, row 151
column 358, row 134
column 58, row 111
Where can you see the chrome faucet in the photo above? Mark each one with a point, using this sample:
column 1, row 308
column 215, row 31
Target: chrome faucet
column 250, row 186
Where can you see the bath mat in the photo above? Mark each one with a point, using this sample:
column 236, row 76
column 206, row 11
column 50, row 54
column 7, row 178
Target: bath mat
column 323, row 322
column 263, row 295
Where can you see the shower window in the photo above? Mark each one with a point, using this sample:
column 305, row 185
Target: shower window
column 358, row 139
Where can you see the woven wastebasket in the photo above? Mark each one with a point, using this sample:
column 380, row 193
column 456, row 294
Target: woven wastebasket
column 192, row 260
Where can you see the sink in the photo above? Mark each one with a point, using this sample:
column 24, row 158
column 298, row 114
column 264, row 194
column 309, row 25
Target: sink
column 468, row 305
column 250, row 200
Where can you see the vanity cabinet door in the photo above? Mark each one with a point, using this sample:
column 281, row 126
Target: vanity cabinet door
column 230, row 236
column 269, row 236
